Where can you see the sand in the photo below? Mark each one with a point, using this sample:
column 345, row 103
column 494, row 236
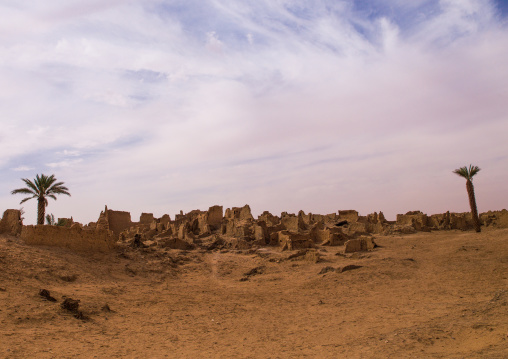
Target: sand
column 427, row 295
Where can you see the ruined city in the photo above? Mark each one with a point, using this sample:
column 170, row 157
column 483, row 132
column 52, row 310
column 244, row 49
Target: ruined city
column 236, row 228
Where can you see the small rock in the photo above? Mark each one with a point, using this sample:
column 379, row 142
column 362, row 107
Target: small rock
column 72, row 305
column 326, row 270
column 80, row 315
column 69, row 278
column 46, row 295
column 254, row 271
column 348, row 267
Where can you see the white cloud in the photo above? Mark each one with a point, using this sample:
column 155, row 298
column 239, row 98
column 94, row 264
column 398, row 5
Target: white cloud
column 213, row 43
column 65, row 163
column 23, row 169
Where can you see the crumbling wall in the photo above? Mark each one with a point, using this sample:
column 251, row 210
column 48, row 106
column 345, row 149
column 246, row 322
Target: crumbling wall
column 415, row 219
column 290, row 241
column 118, row 221
column 75, row 238
column 348, row 215
column 269, row 219
column 215, row 216
column 502, row 219
column 292, row 223
column 11, row 222
column 359, row 245
column 446, row 221
column 241, row 213
column 145, row 218
column 498, row 219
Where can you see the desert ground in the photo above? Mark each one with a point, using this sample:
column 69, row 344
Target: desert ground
column 442, row 294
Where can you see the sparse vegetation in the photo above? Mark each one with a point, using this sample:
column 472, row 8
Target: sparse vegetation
column 41, row 188
column 50, row 220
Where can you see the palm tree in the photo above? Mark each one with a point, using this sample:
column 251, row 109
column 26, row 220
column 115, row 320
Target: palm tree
column 468, row 174
column 41, row 188
column 50, row 221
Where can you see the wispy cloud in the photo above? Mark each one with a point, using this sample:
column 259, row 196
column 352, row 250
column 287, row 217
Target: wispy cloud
column 67, row 163
column 23, row 169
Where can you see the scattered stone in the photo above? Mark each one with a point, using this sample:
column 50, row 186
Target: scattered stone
column 348, row 267
column 106, row 308
column 254, row 271
column 69, row 278
column 297, row 254
column 310, row 255
column 130, row 271
column 500, row 295
column 80, row 315
column 326, row 270
column 46, row 295
column 71, row 305
column 3, row 290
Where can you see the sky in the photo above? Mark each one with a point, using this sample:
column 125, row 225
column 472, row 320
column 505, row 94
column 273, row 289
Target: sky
column 159, row 106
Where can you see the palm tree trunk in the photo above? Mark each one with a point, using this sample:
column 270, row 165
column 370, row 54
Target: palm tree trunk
column 41, row 210
column 472, row 204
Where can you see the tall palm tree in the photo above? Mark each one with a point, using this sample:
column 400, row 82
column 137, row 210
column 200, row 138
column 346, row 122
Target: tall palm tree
column 41, row 188
column 468, row 174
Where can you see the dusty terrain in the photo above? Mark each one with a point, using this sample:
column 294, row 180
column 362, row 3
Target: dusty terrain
column 426, row 295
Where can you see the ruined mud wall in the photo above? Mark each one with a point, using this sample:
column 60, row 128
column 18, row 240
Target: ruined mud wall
column 11, row 222
column 118, row 221
column 498, row 219
column 215, row 216
column 75, row 238
column 145, row 218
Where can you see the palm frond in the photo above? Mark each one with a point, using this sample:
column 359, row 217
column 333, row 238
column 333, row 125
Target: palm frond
column 58, row 188
column 473, row 170
column 31, row 185
column 60, row 191
column 23, row 191
column 26, row 199
column 462, row 172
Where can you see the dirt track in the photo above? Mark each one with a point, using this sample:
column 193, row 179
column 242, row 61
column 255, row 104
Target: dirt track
column 428, row 295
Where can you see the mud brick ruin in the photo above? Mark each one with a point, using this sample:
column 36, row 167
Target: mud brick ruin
column 236, row 228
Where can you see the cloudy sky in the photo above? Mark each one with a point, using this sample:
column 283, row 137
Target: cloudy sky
column 167, row 105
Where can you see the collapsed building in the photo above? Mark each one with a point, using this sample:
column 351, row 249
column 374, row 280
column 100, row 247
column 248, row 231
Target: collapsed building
column 236, row 228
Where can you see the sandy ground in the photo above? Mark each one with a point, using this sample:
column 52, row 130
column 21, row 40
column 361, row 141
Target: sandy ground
column 427, row 295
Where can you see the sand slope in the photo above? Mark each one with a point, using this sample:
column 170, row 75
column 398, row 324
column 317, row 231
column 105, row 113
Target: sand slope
column 440, row 295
